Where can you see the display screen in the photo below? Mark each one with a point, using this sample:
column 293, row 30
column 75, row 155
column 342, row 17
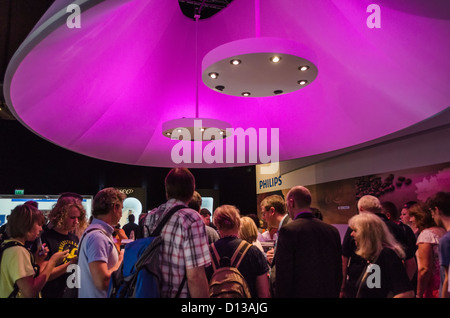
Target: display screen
column 45, row 204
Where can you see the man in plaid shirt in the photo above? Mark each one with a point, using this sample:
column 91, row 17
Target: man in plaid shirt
column 185, row 245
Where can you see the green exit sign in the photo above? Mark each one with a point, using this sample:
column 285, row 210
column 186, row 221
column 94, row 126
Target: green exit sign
column 19, row 192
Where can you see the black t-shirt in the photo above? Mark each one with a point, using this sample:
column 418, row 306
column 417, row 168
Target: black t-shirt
column 131, row 227
column 393, row 278
column 57, row 242
column 252, row 265
column 357, row 264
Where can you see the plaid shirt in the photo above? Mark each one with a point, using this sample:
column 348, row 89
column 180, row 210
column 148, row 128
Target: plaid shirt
column 185, row 245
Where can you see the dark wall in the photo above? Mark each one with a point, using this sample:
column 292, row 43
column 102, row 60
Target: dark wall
column 40, row 167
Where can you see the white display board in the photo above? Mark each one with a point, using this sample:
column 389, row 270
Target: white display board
column 45, row 203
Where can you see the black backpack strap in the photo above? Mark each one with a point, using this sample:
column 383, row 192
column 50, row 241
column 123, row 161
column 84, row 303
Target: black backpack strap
column 5, row 246
column 86, row 233
column 158, row 229
column 181, row 287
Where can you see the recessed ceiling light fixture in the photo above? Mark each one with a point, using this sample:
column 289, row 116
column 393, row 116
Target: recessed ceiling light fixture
column 275, row 59
column 213, row 75
column 259, row 67
column 303, row 68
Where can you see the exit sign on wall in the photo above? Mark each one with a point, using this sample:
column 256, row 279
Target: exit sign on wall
column 19, row 192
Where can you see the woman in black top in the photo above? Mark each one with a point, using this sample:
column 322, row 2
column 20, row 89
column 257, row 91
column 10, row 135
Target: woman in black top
column 385, row 275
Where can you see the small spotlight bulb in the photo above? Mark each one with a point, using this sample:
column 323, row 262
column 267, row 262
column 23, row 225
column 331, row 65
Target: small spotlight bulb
column 275, row 59
column 303, row 68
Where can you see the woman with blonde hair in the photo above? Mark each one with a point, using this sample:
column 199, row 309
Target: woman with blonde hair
column 253, row 266
column 65, row 218
column 249, row 232
column 378, row 246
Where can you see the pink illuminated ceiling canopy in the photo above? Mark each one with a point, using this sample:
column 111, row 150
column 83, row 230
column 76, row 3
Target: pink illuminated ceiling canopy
column 104, row 90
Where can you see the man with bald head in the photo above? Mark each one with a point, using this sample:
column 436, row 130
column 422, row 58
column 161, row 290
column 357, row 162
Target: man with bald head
column 308, row 254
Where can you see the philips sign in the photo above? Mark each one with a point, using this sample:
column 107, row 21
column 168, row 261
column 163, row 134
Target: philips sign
column 269, row 183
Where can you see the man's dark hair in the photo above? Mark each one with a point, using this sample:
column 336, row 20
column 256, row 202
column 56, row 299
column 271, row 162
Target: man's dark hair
column 389, row 207
column 180, row 184
column 440, row 200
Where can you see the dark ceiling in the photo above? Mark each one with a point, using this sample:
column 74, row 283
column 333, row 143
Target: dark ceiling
column 17, row 19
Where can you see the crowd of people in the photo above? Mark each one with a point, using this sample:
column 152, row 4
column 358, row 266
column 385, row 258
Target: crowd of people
column 384, row 252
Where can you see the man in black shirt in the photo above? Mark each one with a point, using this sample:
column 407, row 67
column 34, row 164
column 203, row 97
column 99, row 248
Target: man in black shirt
column 131, row 226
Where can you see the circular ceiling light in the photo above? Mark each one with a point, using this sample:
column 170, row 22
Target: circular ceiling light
column 196, row 129
column 259, row 67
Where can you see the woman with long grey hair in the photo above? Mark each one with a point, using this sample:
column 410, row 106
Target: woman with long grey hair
column 385, row 275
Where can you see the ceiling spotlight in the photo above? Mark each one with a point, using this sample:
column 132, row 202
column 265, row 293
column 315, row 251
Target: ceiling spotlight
column 302, row 82
column 246, row 94
column 303, row 68
column 275, row 59
column 213, row 75
column 235, row 62
column 278, row 92
column 220, row 87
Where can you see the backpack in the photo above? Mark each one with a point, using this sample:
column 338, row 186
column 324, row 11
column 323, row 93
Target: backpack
column 227, row 281
column 139, row 275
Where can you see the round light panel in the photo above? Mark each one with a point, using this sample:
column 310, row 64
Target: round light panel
column 256, row 69
column 196, row 129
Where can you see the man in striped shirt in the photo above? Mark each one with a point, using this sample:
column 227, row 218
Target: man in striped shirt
column 185, row 250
